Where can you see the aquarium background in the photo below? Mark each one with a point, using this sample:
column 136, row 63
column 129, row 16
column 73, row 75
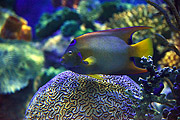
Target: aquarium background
column 34, row 35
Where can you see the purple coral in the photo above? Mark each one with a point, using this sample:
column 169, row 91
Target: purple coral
column 74, row 96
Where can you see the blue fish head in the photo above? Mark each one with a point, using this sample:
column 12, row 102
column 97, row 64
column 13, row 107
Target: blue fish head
column 71, row 58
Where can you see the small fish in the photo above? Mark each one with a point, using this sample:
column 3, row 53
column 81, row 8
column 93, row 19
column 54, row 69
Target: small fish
column 106, row 52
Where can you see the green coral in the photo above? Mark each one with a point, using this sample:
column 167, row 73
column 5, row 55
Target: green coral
column 69, row 28
column 89, row 9
column 109, row 8
column 50, row 23
column 81, row 32
column 20, row 62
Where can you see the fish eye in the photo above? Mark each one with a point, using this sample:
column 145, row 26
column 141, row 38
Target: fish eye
column 70, row 52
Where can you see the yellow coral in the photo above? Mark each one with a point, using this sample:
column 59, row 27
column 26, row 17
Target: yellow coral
column 170, row 59
column 141, row 15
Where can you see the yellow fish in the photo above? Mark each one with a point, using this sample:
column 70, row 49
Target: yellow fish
column 106, row 52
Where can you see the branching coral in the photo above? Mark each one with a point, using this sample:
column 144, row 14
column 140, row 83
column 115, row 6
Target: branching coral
column 19, row 62
column 74, row 96
column 149, row 90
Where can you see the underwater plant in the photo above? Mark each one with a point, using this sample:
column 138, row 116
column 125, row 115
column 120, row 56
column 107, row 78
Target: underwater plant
column 75, row 96
column 20, row 62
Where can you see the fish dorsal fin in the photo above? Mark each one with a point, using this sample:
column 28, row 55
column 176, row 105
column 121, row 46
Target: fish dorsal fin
column 122, row 33
column 126, row 33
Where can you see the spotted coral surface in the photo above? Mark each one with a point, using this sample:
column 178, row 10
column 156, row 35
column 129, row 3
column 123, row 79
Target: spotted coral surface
column 141, row 15
column 19, row 62
column 73, row 96
column 171, row 58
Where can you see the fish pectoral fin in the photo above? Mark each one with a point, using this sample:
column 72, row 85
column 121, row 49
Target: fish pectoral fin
column 90, row 60
column 96, row 76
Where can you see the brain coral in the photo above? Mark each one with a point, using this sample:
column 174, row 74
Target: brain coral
column 141, row 15
column 19, row 62
column 73, row 96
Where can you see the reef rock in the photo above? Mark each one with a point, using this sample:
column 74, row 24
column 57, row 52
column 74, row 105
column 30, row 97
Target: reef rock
column 73, row 96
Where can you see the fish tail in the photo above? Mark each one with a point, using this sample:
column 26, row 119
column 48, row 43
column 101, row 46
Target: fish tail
column 143, row 48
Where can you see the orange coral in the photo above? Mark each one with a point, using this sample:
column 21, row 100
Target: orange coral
column 16, row 28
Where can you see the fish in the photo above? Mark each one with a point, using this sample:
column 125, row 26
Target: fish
column 107, row 52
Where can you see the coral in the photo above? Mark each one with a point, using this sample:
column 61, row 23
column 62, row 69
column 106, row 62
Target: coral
column 16, row 28
column 48, row 24
column 74, row 96
column 149, row 87
column 171, row 58
column 89, row 9
column 20, row 62
column 13, row 106
column 173, row 8
column 69, row 28
column 141, row 15
column 109, row 8
column 49, row 73
column 81, row 32
column 4, row 14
